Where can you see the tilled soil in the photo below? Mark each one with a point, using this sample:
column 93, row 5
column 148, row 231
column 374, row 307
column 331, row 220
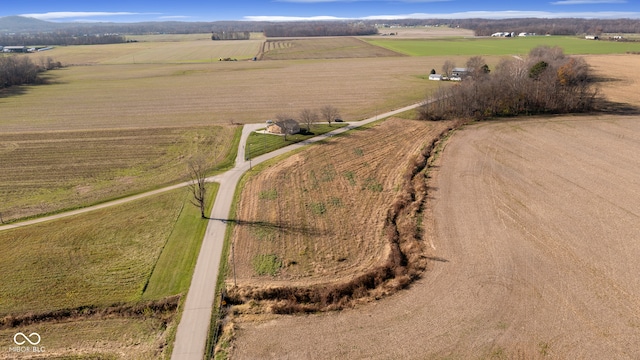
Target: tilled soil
column 534, row 226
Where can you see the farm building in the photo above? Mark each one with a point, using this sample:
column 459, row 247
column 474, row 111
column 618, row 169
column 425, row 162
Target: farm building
column 14, row 49
column 436, row 77
column 459, row 72
column 591, row 37
column 288, row 126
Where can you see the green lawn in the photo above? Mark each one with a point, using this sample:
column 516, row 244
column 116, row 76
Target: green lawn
column 503, row 46
column 102, row 257
column 259, row 143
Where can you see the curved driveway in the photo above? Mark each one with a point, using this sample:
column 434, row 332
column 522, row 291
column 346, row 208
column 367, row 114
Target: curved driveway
column 191, row 337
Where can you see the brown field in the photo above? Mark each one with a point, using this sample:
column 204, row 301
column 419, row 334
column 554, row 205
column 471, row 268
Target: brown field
column 155, row 95
column 322, row 48
column 290, row 209
column 49, row 171
column 426, row 32
column 534, row 224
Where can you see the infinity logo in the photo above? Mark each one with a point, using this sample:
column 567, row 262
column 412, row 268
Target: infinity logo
column 26, row 338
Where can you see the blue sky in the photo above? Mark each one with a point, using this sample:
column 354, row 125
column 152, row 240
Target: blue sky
column 274, row 10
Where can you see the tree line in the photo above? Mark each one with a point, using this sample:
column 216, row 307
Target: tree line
column 568, row 26
column 21, row 70
column 231, row 35
column 60, row 38
column 319, row 28
column 547, row 81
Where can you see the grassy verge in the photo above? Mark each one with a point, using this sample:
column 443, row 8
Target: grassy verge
column 229, row 160
column 259, row 143
column 173, row 270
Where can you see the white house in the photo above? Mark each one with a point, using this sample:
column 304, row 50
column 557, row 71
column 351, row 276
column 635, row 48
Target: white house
column 436, row 77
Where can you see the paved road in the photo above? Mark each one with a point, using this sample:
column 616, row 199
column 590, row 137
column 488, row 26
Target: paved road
column 191, row 337
column 193, row 329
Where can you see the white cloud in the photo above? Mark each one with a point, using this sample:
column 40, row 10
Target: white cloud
column 175, row 17
column 464, row 15
column 77, row 14
column 587, row 2
column 352, row 1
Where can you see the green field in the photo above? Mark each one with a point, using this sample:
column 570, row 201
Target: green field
column 260, row 143
column 503, row 46
column 102, row 257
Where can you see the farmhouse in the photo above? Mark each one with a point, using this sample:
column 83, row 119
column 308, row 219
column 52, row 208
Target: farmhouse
column 288, row 126
column 591, row 37
column 436, row 77
column 459, row 72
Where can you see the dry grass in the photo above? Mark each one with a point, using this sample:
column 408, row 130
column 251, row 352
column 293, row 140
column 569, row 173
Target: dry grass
column 322, row 48
column 49, row 171
column 291, row 210
column 152, row 95
column 156, row 49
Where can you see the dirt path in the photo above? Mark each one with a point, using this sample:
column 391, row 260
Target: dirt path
column 536, row 223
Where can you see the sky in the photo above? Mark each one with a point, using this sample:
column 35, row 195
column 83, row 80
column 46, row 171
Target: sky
column 284, row 10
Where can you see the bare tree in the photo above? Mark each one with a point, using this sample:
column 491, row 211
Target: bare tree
column 477, row 67
column 308, row 117
column 329, row 113
column 447, row 67
column 197, row 173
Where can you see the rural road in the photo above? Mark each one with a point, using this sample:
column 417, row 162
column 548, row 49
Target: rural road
column 193, row 329
column 191, row 337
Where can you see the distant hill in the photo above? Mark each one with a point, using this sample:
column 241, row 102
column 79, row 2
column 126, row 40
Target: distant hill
column 20, row 24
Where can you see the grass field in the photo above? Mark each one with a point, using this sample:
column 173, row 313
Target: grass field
column 100, row 258
column 260, row 143
column 48, row 171
column 503, row 46
column 144, row 250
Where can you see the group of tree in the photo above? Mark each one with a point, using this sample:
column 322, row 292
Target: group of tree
column 231, row 35
column 60, row 38
column 547, row 81
column 319, row 28
column 328, row 113
column 21, row 70
column 567, row 26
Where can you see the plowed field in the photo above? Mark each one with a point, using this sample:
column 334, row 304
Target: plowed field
column 536, row 225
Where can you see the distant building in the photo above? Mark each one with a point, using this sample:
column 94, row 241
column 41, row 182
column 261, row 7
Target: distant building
column 459, row 72
column 436, row 77
column 15, row 49
column 591, row 37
